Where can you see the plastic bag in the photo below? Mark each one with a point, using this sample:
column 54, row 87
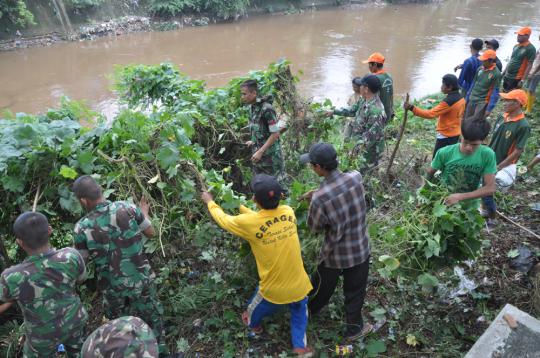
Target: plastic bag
column 506, row 177
column 525, row 260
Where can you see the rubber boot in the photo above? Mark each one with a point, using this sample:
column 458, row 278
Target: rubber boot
column 531, row 98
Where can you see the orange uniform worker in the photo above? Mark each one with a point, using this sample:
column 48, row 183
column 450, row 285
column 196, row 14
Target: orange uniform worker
column 448, row 112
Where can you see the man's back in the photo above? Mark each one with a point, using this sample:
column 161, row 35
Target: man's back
column 469, row 68
column 339, row 209
column 485, row 82
column 44, row 287
column 111, row 236
column 273, row 237
column 386, row 94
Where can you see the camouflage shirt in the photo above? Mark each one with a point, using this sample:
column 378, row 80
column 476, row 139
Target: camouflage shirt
column 124, row 337
column 44, row 287
column 367, row 129
column 111, row 236
column 263, row 122
column 368, row 124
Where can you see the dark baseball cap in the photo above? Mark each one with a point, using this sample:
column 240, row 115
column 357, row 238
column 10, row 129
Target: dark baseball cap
column 267, row 190
column 494, row 43
column 372, row 82
column 320, row 153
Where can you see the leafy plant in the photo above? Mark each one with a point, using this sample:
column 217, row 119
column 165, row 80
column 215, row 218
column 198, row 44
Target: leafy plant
column 17, row 12
column 81, row 4
column 429, row 235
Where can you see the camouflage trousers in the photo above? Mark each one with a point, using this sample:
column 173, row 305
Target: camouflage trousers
column 142, row 303
column 371, row 154
column 271, row 165
column 72, row 339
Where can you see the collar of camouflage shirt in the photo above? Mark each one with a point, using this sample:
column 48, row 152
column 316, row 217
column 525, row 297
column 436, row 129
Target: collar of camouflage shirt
column 38, row 257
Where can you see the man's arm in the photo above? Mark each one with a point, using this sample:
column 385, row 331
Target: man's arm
column 435, row 112
column 510, row 159
column 226, row 222
column 493, row 98
column 317, row 219
column 430, row 173
column 530, row 57
column 465, row 68
column 5, row 306
column 270, row 117
column 470, row 88
column 533, row 162
column 487, row 189
column 346, row 111
column 269, row 142
column 145, row 224
column 80, row 242
column 526, row 73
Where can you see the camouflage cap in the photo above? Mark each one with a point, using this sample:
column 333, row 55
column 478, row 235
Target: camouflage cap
column 121, row 338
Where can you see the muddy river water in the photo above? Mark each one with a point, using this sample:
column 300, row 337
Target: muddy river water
column 421, row 44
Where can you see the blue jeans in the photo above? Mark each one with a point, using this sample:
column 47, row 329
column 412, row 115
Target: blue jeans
column 533, row 83
column 489, row 204
column 259, row 308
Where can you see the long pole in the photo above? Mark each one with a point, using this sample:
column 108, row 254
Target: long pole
column 400, row 136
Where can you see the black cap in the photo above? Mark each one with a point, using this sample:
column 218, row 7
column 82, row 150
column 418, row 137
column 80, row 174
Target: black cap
column 477, row 44
column 494, row 43
column 267, row 190
column 372, row 82
column 357, row 81
column 320, row 153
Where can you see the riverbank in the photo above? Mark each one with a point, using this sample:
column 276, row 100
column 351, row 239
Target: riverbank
column 63, row 26
column 205, row 276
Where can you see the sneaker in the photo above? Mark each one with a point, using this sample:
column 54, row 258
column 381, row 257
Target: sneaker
column 255, row 330
column 483, row 212
column 491, row 224
column 303, row 352
column 367, row 329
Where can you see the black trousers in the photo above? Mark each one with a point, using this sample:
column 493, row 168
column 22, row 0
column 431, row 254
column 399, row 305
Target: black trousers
column 324, row 282
column 476, row 110
column 509, row 84
column 443, row 142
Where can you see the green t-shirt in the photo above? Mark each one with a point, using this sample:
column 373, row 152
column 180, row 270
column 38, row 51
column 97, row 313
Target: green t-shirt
column 521, row 57
column 463, row 173
column 508, row 136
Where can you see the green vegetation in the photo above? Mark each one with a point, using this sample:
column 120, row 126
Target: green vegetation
column 81, row 4
column 219, row 8
column 177, row 134
column 17, row 12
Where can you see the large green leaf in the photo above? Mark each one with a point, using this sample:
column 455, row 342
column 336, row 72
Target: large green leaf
column 168, row 156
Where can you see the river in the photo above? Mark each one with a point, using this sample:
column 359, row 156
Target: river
column 421, row 44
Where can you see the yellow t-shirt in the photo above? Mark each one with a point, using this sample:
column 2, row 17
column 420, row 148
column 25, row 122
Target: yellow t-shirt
column 273, row 238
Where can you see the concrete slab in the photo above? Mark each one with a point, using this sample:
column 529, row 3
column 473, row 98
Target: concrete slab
column 502, row 341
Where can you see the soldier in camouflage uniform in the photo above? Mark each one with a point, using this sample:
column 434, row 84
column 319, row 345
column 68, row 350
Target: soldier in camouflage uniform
column 263, row 123
column 124, row 337
column 367, row 128
column 44, row 287
column 111, row 236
